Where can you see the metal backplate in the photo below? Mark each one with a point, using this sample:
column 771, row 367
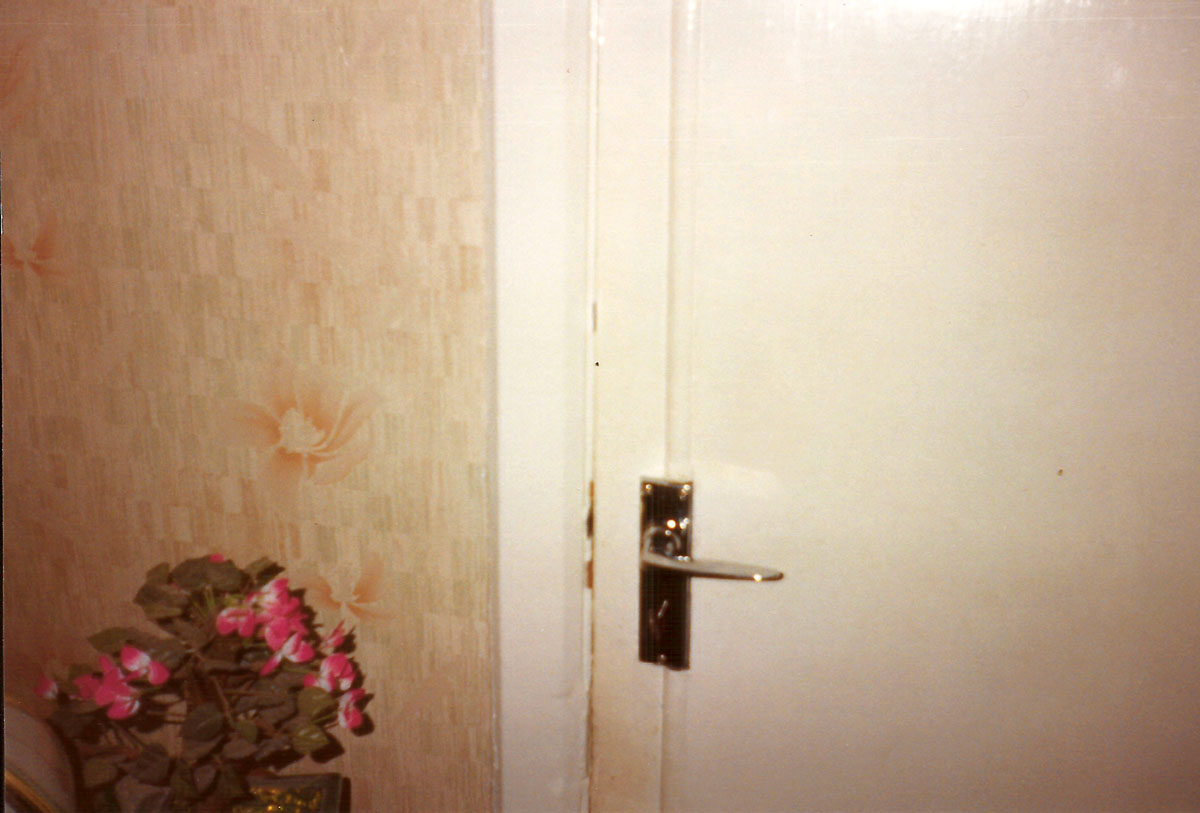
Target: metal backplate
column 665, row 604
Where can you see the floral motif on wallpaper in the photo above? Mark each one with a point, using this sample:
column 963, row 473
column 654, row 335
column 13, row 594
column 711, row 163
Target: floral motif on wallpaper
column 306, row 429
column 37, row 255
column 337, row 596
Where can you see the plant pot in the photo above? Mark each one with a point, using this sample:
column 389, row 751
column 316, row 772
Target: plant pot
column 37, row 768
column 303, row 793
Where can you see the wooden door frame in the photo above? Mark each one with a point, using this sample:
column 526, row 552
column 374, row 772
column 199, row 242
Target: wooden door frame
column 540, row 56
column 581, row 174
column 631, row 211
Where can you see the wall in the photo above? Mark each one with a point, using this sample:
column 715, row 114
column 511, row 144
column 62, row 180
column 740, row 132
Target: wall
column 246, row 308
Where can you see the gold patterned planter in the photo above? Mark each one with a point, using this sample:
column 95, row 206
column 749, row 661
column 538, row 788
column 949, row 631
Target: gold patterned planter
column 310, row 793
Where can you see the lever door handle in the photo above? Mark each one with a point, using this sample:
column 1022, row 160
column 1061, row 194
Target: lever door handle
column 654, row 556
column 667, row 571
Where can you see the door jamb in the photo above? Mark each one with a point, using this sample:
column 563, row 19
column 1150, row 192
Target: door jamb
column 540, row 59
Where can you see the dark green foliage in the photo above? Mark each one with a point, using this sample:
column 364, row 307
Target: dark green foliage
column 231, row 719
column 203, row 723
column 98, row 771
column 312, row 702
column 152, row 766
column 308, row 738
column 195, row 574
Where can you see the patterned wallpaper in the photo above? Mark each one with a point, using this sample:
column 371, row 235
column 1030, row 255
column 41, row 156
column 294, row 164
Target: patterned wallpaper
column 246, row 309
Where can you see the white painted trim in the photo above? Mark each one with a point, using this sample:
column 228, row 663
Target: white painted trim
column 540, row 58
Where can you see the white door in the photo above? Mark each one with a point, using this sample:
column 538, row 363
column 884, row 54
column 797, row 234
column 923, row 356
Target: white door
column 942, row 367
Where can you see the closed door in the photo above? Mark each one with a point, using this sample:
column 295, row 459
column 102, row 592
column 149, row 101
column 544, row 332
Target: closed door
column 938, row 360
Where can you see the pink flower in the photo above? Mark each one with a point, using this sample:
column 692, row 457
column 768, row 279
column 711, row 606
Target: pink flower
column 271, row 593
column 295, row 649
column 337, row 673
column 47, row 688
column 274, row 600
column 275, row 612
column 115, row 692
column 241, row 619
column 140, row 664
column 281, row 629
column 123, row 706
column 216, row 557
column 279, row 612
column 85, row 686
column 335, row 638
column 349, row 715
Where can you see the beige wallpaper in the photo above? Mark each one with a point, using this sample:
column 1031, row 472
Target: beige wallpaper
column 246, row 309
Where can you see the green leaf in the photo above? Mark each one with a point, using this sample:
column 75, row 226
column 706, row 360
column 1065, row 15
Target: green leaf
column 171, row 657
column 165, row 594
column 189, row 632
column 287, row 680
column 183, row 785
column 203, row 775
column 110, row 641
column 78, row 705
column 272, row 691
column 308, row 738
column 271, row 747
column 97, row 772
column 155, row 643
column 237, row 748
column 224, row 648
column 130, row 794
column 313, row 700
column 190, row 575
column 158, row 612
column 262, row 694
column 278, row 713
column 197, row 573
column 159, row 574
column 246, row 730
column 152, row 766
column 204, row 723
column 262, row 570
column 194, row 750
column 225, row 576
column 230, row 785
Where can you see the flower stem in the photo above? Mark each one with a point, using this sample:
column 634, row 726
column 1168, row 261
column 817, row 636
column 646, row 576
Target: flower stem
column 221, row 696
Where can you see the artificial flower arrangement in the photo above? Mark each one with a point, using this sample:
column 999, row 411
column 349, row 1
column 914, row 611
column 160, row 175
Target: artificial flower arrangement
column 240, row 685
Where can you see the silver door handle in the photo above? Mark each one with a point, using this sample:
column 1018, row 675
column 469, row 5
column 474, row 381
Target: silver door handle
column 653, row 556
column 667, row 566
